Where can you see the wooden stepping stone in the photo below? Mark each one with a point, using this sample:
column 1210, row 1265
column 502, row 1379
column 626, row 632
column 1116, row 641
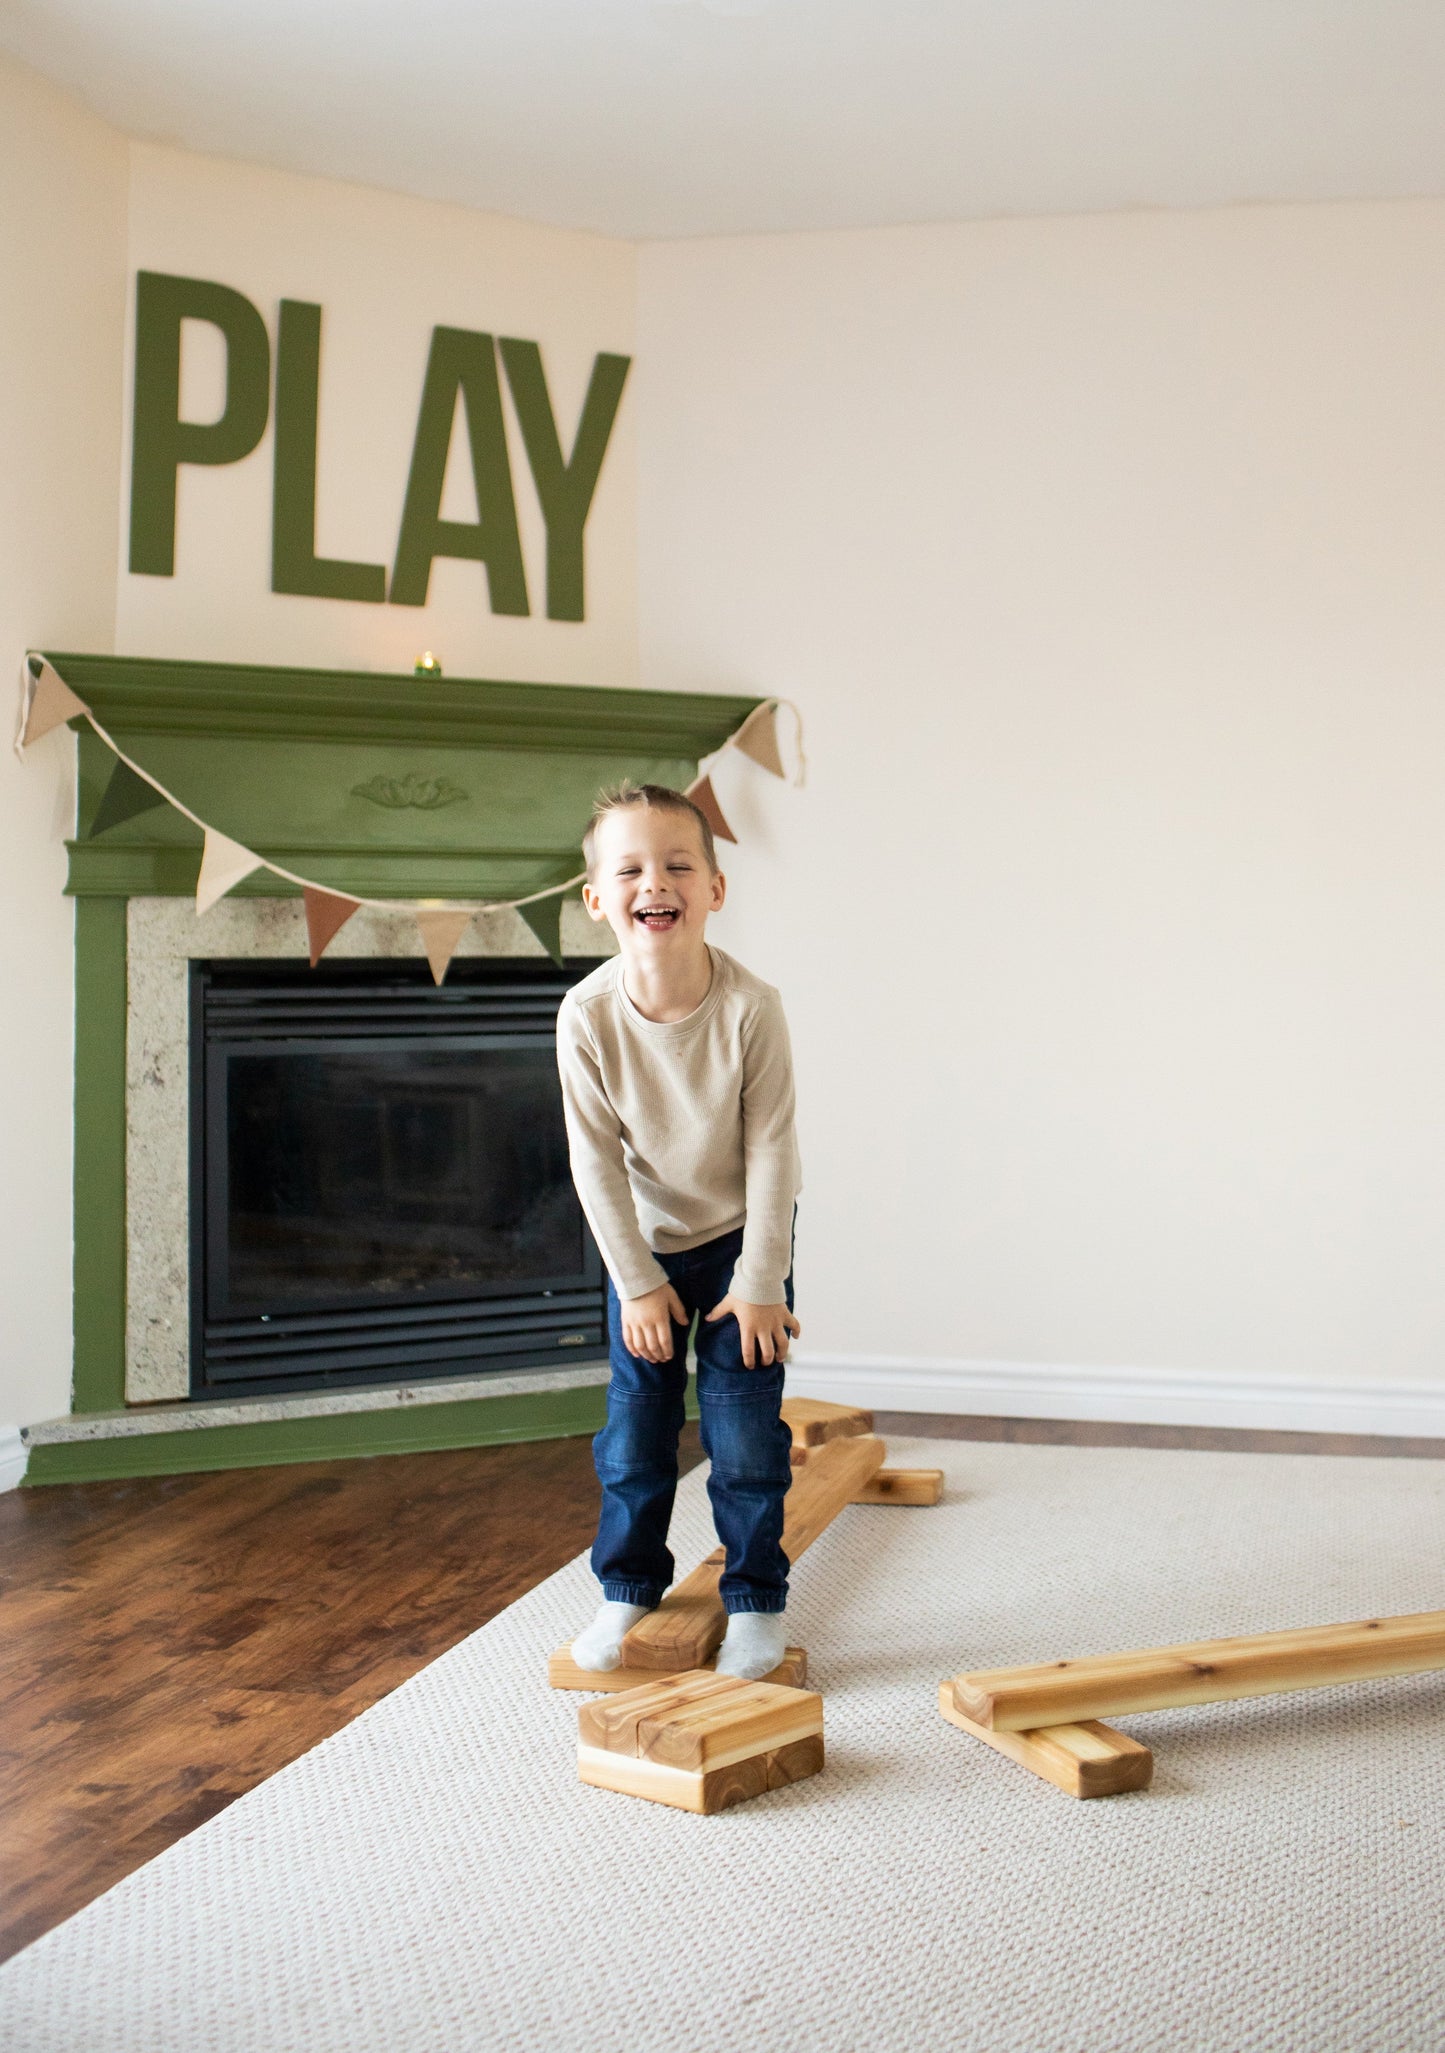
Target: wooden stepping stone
column 700, row 1741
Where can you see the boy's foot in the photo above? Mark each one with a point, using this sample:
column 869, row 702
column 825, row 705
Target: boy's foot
column 599, row 1646
column 755, row 1643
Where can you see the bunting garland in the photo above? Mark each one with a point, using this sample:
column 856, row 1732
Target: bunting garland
column 47, row 702
column 703, row 796
column 326, row 914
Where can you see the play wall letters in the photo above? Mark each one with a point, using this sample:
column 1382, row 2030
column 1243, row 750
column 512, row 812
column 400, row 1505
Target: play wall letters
column 462, row 365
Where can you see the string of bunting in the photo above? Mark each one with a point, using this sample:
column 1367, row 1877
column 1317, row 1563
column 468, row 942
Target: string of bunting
column 47, row 702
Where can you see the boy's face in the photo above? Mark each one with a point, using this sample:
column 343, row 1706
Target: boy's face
column 651, row 883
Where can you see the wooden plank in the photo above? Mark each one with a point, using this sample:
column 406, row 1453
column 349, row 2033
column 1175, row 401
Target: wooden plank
column 1083, row 1760
column 903, row 1486
column 834, row 1475
column 812, row 1423
column 688, row 1625
column 686, row 1629
column 1203, row 1672
column 613, row 1723
column 563, row 1673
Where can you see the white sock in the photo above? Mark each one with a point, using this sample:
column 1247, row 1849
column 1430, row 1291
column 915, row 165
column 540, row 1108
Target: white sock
column 599, row 1646
column 754, row 1644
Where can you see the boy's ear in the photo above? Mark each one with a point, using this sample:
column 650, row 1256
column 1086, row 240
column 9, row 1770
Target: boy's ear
column 593, row 902
column 719, row 890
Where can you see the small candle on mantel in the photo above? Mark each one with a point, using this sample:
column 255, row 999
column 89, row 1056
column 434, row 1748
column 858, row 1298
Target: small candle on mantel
column 427, row 665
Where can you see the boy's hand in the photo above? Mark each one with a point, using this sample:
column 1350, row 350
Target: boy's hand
column 764, row 1329
column 647, row 1323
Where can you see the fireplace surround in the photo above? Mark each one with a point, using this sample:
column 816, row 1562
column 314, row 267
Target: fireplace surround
column 334, row 775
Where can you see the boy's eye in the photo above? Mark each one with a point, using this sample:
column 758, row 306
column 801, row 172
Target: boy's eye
column 684, row 867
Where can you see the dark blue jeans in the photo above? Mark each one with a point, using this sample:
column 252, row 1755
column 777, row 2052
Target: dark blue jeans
column 742, row 1434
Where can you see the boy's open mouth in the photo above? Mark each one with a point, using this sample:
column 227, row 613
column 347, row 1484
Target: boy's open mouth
column 658, row 918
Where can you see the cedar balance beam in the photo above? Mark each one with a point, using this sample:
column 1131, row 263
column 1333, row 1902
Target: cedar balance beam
column 563, row 1673
column 1083, row 1760
column 687, row 1627
column 1206, row 1672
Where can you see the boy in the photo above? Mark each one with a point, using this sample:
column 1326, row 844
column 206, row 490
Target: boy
column 678, row 1087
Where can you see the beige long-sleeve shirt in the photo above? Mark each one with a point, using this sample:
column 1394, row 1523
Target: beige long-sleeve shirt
column 682, row 1130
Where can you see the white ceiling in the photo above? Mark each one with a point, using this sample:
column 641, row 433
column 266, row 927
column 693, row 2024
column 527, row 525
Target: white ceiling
column 702, row 117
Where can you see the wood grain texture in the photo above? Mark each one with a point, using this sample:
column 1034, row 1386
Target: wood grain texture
column 812, row 1422
column 1201, row 1672
column 701, row 1742
column 903, row 1486
column 687, row 1627
column 166, row 1643
column 1083, row 1760
column 563, row 1673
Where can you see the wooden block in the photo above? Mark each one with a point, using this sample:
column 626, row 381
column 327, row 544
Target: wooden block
column 811, row 1422
column 1204, row 1672
column 563, row 1673
column 701, row 1741
column 1082, row 1760
column 903, row 1486
column 688, row 1625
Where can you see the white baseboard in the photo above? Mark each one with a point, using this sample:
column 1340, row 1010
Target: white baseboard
column 13, row 1456
column 1156, row 1397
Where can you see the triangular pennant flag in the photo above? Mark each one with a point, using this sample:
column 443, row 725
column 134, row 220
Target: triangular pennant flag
column 326, row 914
column 47, row 702
column 124, row 798
column 223, row 864
column 441, row 932
column 758, row 738
column 544, row 917
column 705, row 799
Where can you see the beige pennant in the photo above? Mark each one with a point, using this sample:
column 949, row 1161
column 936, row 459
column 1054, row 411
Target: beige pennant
column 758, row 738
column 705, row 799
column 441, row 934
column 223, row 864
column 46, row 702
column 326, row 914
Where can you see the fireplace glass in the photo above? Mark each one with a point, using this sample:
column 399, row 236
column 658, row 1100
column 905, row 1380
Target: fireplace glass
column 380, row 1186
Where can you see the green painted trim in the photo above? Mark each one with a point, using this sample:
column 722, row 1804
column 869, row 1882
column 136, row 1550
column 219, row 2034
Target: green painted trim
column 419, row 1429
column 135, row 695
column 98, row 1377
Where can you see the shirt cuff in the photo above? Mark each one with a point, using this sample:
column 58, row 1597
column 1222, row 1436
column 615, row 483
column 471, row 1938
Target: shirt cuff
column 757, row 1289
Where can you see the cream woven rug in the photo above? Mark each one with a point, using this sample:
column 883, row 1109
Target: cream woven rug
column 434, row 1879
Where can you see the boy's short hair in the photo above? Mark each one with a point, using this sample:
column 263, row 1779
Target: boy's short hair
column 661, row 798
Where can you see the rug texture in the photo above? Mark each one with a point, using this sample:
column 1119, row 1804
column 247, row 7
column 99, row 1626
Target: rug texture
column 434, row 1878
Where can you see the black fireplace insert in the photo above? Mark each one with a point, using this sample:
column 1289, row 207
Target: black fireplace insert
column 379, row 1180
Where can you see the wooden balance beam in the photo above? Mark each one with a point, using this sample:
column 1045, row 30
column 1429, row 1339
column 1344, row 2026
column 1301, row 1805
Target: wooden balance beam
column 1031, row 1704
column 837, row 1461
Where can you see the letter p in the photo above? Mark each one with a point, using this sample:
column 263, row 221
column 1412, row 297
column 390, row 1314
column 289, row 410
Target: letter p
column 160, row 440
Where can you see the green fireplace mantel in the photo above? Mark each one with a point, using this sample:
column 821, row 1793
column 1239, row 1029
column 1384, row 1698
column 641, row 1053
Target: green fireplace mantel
column 388, row 786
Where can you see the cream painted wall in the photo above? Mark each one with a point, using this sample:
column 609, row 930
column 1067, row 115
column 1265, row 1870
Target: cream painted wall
column 1105, row 559
column 62, row 300
column 385, row 270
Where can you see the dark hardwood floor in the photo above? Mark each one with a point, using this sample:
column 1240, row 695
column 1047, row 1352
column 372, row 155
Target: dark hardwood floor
column 166, row 1644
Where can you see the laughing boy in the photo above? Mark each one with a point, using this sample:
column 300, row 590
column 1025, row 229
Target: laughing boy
column 678, row 1086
